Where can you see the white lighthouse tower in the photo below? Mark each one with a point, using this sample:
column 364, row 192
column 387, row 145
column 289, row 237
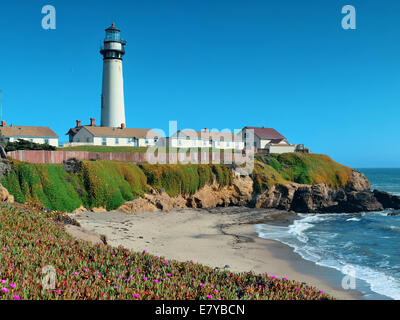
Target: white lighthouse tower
column 112, row 97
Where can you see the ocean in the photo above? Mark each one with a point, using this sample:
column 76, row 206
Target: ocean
column 364, row 245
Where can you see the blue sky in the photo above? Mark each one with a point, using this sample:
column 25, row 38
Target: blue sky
column 217, row 64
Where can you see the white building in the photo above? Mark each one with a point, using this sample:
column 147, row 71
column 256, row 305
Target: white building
column 110, row 136
column 40, row 135
column 206, row 139
column 268, row 140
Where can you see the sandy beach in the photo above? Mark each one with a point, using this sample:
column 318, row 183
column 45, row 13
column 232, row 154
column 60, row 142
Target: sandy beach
column 217, row 237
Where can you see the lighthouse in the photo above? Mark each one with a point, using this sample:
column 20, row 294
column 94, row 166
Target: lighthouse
column 112, row 97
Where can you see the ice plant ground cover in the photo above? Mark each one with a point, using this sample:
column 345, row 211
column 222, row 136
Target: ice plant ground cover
column 31, row 239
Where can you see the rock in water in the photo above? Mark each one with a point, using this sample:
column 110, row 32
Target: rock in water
column 387, row 200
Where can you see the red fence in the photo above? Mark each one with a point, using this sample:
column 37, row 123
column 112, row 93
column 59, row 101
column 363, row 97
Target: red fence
column 42, row 156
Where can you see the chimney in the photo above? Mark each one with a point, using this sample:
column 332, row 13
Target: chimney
column 122, row 125
column 78, row 123
column 206, row 129
column 3, row 123
column 92, row 121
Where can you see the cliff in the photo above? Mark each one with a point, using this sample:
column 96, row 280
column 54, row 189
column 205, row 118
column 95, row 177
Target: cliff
column 297, row 182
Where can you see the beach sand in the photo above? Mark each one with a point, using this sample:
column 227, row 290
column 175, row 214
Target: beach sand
column 217, row 237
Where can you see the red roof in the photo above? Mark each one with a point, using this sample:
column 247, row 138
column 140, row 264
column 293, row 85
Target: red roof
column 266, row 133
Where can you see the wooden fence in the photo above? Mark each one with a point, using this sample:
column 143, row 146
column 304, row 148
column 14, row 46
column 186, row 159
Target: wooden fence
column 42, row 156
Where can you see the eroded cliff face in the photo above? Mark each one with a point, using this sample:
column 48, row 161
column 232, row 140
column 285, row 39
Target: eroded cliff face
column 240, row 193
column 356, row 196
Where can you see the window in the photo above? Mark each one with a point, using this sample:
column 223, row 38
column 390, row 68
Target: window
column 179, row 142
column 87, row 139
column 46, row 141
column 147, row 141
column 116, row 141
column 104, row 142
column 31, row 140
column 155, row 140
column 228, row 144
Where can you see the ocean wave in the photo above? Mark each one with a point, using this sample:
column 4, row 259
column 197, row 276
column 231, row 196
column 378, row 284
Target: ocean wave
column 316, row 245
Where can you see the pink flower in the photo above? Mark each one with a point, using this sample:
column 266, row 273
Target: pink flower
column 297, row 288
column 58, row 291
column 168, row 274
column 209, row 296
column 144, row 278
column 75, row 272
column 120, row 277
column 191, row 261
column 216, row 290
column 137, row 271
column 5, row 290
column 201, row 284
column 144, row 251
column 16, row 297
column 2, row 217
column 320, row 291
column 12, row 285
column 86, row 269
column 166, row 262
column 136, row 295
column 156, row 281
column 3, row 281
column 116, row 287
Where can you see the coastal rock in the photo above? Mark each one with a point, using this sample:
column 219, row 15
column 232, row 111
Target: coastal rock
column 99, row 209
column 81, row 209
column 361, row 201
column 387, row 200
column 278, row 196
column 5, row 196
column 358, row 182
column 316, row 198
column 137, row 205
column 240, row 193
